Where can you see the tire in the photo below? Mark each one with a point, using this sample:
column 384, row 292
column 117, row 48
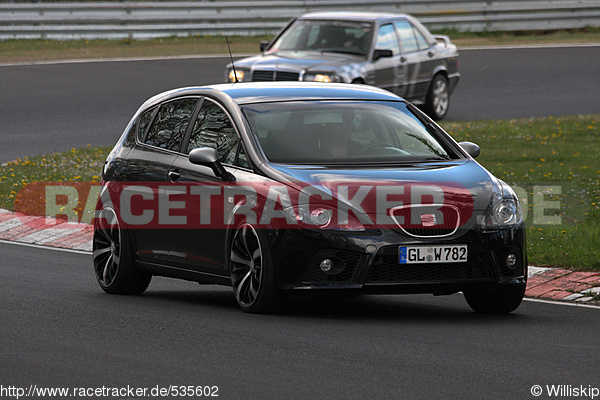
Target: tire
column 438, row 98
column 253, row 272
column 113, row 257
column 496, row 301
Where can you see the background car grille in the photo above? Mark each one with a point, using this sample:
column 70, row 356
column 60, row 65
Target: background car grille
column 385, row 268
column 315, row 275
column 266, row 76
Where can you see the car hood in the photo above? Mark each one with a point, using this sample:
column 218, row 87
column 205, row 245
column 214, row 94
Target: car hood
column 298, row 60
column 463, row 184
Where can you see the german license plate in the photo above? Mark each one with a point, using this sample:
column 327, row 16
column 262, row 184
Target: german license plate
column 432, row 254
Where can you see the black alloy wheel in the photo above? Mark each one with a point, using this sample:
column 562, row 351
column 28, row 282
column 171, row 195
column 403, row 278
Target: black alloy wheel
column 113, row 257
column 252, row 271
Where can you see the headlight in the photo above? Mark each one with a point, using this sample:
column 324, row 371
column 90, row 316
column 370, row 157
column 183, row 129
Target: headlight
column 239, row 74
column 321, row 78
column 323, row 218
column 505, row 208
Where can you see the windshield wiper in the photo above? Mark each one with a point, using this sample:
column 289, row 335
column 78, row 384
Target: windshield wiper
column 356, row 53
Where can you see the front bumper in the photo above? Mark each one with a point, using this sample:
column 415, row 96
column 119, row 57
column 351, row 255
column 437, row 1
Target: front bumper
column 299, row 253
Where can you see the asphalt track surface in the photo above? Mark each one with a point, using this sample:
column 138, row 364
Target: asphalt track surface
column 60, row 330
column 55, row 107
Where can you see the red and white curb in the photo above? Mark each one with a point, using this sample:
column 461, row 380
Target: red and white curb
column 45, row 231
column 543, row 283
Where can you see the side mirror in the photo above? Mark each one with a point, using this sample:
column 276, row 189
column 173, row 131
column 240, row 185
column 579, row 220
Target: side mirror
column 471, row 148
column 263, row 45
column 208, row 157
column 378, row 53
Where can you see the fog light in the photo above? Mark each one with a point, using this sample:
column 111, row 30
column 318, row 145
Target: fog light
column 511, row 260
column 332, row 265
column 326, row 265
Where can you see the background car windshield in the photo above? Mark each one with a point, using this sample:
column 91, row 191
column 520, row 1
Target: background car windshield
column 343, row 132
column 326, row 36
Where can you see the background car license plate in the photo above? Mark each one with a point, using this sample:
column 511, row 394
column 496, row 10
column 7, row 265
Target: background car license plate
column 432, row 254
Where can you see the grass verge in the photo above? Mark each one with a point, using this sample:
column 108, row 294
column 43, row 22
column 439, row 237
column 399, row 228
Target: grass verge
column 12, row 51
column 551, row 162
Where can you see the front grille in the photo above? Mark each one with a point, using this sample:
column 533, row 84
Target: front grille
column 427, row 220
column 267, row 76
column 315, row 275
column 385, row 268
column 286, row 76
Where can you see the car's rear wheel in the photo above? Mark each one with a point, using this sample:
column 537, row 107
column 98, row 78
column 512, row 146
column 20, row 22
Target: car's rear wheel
column 113, row 257
column 496, row 301
column 252, row 271
column 438, row 98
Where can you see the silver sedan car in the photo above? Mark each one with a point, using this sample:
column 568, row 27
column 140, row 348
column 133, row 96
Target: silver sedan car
column 392, row 51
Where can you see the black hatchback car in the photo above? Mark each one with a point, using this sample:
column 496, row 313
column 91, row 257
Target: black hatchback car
column 305, row 188
column 392, row 51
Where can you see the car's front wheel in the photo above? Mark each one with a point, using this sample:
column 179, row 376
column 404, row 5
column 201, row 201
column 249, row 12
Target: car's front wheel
column 113, row 257
column 495, row 301
column 438, row 98
column 253, row 271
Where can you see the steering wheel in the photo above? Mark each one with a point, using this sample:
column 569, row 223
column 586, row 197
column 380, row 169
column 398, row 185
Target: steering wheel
column 372, row 146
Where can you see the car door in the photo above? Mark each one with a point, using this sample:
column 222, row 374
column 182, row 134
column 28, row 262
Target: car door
column 145, row 174
column 418, row 56
column 200, row 245
column 389, row 72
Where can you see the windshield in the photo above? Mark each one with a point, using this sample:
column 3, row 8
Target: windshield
column 343, row 132
column 347, row 37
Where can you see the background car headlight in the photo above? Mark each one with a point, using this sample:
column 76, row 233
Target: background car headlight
column 240, row 75
column 321, row 78
column 505, row 208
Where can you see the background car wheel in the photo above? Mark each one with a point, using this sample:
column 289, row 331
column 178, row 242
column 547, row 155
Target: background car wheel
column 252, row 271
column 113, row 258
column 438, row 98
column 496, row 301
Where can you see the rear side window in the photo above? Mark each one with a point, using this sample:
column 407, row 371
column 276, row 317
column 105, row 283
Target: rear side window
column 410, row 37
column 144, row 123
column 170, row 124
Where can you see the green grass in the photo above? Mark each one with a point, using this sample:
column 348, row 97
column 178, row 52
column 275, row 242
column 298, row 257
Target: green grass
column 530, row 154
column 534, row 156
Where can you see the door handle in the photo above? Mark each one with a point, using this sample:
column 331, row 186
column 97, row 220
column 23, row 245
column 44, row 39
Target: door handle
column 431, row 54
column 174, row 175
column 402, row 59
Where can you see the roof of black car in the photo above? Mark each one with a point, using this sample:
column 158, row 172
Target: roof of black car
column 253, row 92
column 258, row 92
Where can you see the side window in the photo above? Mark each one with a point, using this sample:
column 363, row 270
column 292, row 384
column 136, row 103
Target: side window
column 170, row 124
column 421, row 41
column 213, row 128
column 144, row 123
column 386, row 39
column 407, row 36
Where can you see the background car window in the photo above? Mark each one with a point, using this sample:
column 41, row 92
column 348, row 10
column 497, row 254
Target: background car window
column 171, row 123
column 407, row 36
column 339, row 36
column 213, row 128
column 410, row 37
column 387, row 40
column 421, row 41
